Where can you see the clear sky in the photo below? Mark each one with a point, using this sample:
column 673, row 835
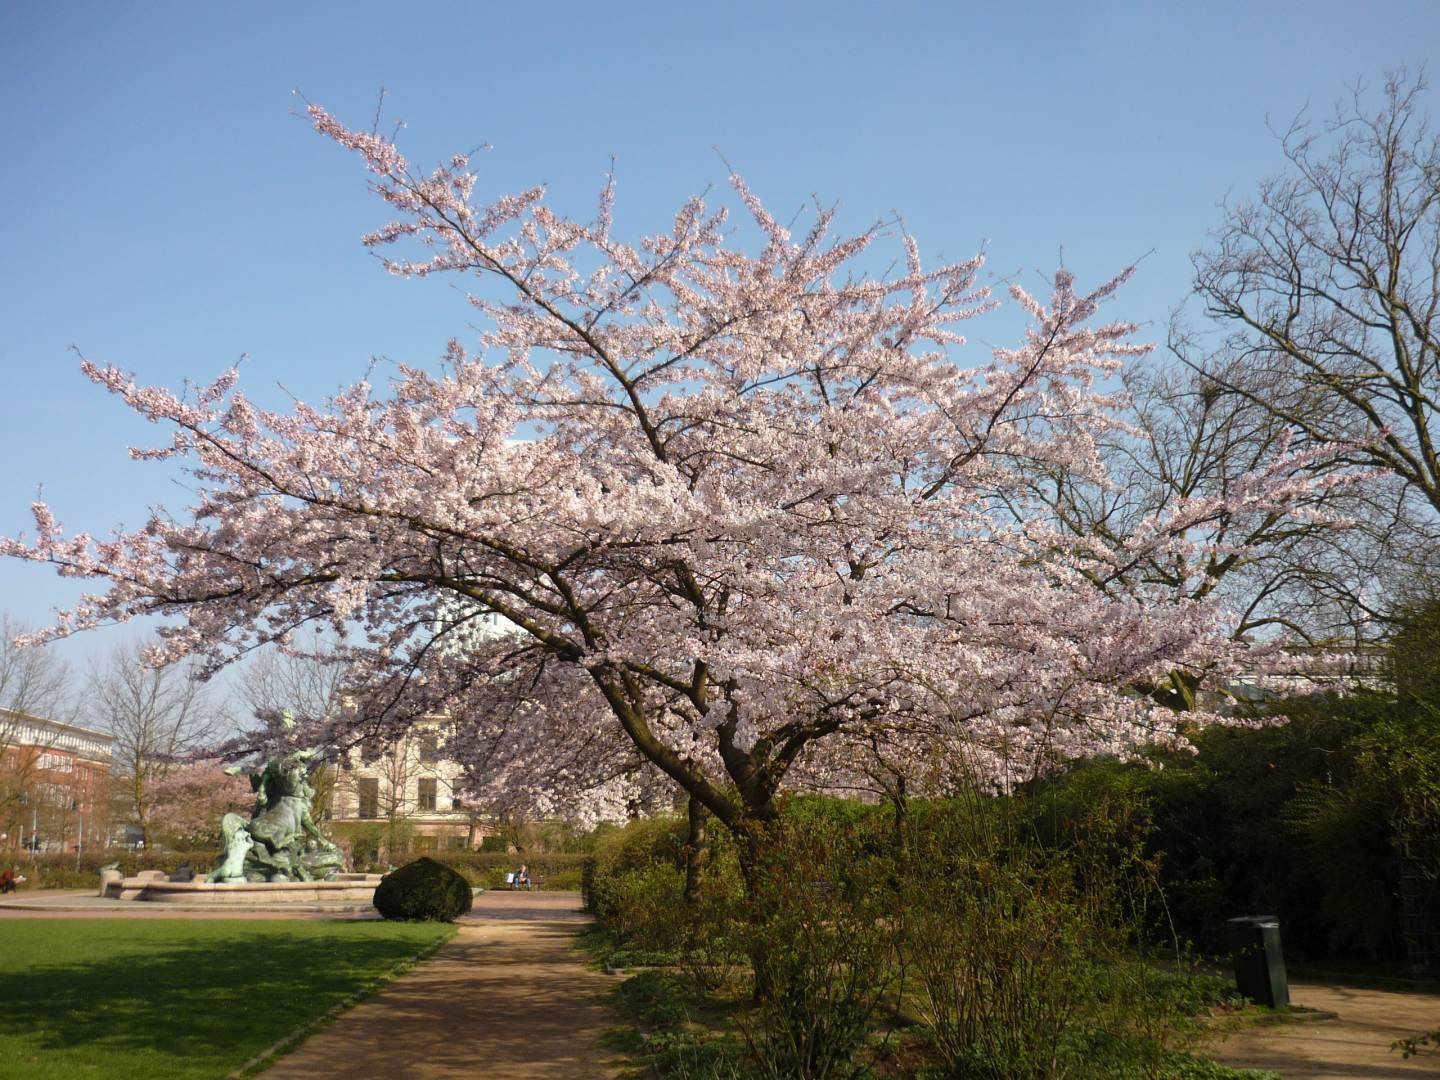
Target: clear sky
column 165, row 210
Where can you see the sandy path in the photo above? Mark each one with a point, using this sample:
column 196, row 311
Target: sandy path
column 1355, row 1046
column 507, row 999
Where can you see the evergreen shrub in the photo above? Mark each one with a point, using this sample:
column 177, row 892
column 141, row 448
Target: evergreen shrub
column 423, row 891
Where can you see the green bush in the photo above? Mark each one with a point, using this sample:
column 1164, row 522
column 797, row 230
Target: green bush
column 1014, row 927
column 1025, row 953
column 1309, row 820
column 587, row 885
column 641, row 864
column 715, row 950
column 821, row 928
column 635, row 886
column 423, row 891
column 999, row 947
column 646, row 906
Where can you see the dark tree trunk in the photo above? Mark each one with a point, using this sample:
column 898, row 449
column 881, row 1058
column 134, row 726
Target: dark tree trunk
column 755, row 869
column 696, row 852
column 900, row 835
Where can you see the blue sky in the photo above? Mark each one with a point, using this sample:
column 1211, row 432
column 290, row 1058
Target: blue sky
column 165, row 209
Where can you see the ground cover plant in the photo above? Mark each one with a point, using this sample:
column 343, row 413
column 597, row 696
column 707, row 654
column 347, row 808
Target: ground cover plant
column 180, row 998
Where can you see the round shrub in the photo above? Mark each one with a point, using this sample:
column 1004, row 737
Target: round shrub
column 424, row 891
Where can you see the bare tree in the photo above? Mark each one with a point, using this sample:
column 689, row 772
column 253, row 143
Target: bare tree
column 157, row 715
column 34, row 683
column 306, row 679
column 1327, row 287
column 1188, row 438
column 33, row 679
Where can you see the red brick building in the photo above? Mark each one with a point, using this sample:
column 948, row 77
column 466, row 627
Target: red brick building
column 54, row 784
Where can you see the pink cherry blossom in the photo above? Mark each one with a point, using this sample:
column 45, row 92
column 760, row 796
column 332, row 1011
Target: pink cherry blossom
column 748, row 519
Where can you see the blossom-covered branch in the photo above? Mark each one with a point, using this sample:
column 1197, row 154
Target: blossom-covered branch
column 735, row 511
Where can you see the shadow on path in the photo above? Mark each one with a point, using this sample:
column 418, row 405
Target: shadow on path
column 508, row 998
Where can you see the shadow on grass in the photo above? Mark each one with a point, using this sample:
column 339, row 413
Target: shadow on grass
column 220, row 994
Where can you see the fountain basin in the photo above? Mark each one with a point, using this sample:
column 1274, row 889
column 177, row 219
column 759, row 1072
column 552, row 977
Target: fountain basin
column 154, row 888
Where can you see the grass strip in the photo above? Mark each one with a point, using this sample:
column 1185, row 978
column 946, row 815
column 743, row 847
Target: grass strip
column 181, row 999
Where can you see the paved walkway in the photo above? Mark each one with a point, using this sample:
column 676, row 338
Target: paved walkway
column 1354, row 1046
column 506, row 999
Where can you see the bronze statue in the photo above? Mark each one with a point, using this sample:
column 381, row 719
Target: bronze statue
column 281, row 841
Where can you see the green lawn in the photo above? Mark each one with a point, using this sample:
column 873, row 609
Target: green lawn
column 117, row 999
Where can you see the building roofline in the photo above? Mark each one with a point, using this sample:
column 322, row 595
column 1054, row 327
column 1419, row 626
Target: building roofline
column 60, row 725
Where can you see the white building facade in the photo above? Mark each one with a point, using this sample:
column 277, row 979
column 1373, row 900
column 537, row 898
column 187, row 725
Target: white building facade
column 401, row 796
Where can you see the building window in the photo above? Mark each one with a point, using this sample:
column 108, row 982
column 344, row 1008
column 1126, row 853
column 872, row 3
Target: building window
column 427, row 843
column 369, row 797
column 425, row 794
column 369, row 750
column 430, row 748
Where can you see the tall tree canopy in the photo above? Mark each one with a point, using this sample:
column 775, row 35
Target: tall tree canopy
column 743, row 511
column 1327, row 286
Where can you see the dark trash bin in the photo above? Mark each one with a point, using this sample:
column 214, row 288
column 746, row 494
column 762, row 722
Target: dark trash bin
column 1259, row 963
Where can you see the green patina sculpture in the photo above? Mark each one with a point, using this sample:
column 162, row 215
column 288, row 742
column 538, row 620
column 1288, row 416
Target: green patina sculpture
column 281, row 841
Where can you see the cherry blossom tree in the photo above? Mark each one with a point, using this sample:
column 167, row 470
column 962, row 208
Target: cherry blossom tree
column 742, row 507
column 1281, row 570
column 187, row 803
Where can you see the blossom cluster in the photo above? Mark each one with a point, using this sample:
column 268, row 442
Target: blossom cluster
column 749, row 517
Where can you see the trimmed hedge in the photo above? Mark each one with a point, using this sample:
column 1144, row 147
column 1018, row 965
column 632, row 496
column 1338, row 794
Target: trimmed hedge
column 58, row 871
column 487, row 869
column 423, row 891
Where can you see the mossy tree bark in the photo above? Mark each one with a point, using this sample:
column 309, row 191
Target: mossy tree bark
column 696, row 852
